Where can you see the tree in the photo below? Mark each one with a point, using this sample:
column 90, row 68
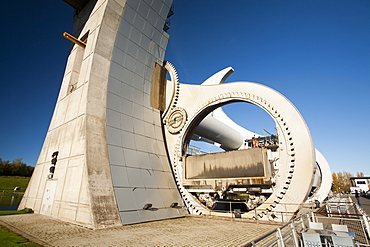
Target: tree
column 15, row 168
column 341, row 182
column 335, row 185
column 360, row 174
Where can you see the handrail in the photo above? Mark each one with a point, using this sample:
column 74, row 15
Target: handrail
column 343, row 214
column 255, row 210
column 329, row 202
column 295, row 222
column 259, row 239
column 358, row 215
column 268, row 234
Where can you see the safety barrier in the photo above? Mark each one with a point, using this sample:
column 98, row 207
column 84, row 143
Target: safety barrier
column 233, row 209
column 290, row 234
column 342, row 206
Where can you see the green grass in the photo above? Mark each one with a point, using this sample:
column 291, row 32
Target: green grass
column 7, row 184
column 14, row 212
column 8, row 238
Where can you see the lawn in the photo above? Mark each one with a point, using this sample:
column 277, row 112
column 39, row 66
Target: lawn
column 7, row 184
column 15, row 212
column 8, row 238
column 7, row 195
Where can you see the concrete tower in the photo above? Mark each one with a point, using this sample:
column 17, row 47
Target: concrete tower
column 105, row 143
column 116, row 151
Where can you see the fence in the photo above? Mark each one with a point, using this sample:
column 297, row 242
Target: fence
column 236, row 210
column 349, row 214
column 290, row 233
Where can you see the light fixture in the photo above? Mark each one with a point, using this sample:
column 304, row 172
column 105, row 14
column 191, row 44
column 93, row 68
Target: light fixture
column 174, row 205
column 147, row 206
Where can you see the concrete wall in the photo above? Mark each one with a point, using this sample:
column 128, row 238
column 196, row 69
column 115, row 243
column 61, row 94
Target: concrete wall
column 103, row 123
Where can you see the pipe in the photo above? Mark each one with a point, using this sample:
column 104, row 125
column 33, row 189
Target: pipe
column 74, row 39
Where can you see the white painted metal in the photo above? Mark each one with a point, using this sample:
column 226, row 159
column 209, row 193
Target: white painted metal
column 220, row 115
column 219, row 132
column 48, row 197
column 296, row 152
column 112, row 158
column 323, row 178
column 326, row 177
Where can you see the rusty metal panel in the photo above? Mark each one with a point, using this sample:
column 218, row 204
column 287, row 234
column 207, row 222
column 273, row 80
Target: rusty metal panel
column 158, row 88
column 247, row 163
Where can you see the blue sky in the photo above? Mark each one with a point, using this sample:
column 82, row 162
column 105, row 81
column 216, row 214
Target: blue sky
column 316, row 53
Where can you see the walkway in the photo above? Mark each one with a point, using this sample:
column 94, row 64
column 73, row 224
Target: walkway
column 365, row 203
column 187, row 231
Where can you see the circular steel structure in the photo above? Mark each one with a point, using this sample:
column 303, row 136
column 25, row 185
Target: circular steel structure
column 294, row 173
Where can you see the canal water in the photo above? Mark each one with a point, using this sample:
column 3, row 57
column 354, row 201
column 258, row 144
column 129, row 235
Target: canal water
column 10, row 201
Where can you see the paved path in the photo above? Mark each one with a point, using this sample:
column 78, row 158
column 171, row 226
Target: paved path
column 365, row 204
column 187, row 231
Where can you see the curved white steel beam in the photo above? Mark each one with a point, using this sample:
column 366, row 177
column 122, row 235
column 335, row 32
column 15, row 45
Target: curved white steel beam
column 219, row 77
column 219, row 132
column 323, row 172
column 218, row 114
column 296, row 152
column 217, row 126
column 326, row 177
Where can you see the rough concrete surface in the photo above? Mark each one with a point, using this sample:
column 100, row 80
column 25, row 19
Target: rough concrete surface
column 187, row 231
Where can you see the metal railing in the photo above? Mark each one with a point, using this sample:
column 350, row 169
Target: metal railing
column 346, row 207
column 233, row 209
column 287, row 234
column 290, row 233
column 365, row 216
column 193, row 150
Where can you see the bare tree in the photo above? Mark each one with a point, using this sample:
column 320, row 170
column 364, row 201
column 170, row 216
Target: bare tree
column 360, row 174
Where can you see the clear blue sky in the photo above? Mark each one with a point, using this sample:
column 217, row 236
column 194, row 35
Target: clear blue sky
column 316, row 53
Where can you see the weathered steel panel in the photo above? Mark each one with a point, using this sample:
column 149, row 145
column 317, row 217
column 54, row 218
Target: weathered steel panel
column 248, row 163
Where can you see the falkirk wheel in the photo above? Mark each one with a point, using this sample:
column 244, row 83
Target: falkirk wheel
column 273, row 174
column 116, row 151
